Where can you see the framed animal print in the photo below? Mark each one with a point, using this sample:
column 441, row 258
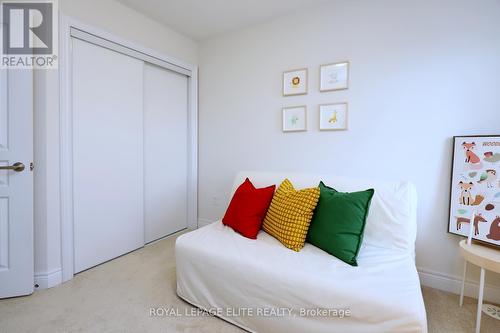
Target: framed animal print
column 475, row 188
column 333, row 117
column 295, row 82
column 334, row 76
column 295, row 119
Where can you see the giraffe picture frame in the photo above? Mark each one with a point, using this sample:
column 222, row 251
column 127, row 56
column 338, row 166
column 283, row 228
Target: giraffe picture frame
column 475, row 188
column 333, row 117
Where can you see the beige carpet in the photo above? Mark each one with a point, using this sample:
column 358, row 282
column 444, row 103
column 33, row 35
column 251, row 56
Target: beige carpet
column 117, row 297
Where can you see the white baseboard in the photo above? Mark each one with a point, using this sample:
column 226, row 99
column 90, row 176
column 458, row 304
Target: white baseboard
column 453, row 284
column 46, row 280
column 204, row 222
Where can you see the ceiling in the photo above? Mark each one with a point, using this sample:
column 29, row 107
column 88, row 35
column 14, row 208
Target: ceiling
column 203, row 19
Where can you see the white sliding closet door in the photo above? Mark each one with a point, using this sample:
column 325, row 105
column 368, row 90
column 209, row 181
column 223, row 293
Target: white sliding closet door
column 165, row 151
column 107, row 154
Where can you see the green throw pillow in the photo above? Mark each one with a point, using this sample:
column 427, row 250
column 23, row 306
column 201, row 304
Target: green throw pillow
column 339, row 221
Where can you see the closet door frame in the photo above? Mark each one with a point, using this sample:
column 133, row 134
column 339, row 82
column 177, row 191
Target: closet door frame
column 71, row 28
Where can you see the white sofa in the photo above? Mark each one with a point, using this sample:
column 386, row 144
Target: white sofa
column 254, row 283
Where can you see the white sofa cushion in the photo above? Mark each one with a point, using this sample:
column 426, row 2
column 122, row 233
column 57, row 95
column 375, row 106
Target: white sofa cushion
column 223, row 272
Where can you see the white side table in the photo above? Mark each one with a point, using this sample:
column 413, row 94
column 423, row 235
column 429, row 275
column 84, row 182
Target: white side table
column 484, row 257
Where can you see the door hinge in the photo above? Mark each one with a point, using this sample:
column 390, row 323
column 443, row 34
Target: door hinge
column 32, row 166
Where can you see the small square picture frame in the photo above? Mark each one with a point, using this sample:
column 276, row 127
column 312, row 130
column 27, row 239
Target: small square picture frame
column 334, row 76
column 295, row 82
column 333, row 117
column 294, row 118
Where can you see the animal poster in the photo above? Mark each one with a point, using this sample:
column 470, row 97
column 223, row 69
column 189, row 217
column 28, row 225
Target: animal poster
column 475, row 187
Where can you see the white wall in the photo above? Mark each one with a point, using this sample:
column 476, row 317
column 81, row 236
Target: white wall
column 421, row 72
column 123, row 22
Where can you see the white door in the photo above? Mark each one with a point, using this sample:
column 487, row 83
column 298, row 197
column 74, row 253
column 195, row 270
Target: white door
column 16, row 186
column 107, row 154
column 165, row 151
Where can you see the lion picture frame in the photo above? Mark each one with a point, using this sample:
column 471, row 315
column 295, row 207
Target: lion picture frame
column 295, row 82
column 475, row 188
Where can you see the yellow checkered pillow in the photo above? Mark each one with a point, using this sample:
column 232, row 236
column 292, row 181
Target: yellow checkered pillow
column 290, row 214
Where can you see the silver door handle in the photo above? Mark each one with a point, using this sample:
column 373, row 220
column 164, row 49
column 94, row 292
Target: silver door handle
column 17, row 167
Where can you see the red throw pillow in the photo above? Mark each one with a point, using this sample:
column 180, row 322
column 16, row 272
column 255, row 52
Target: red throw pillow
column 247, row 208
